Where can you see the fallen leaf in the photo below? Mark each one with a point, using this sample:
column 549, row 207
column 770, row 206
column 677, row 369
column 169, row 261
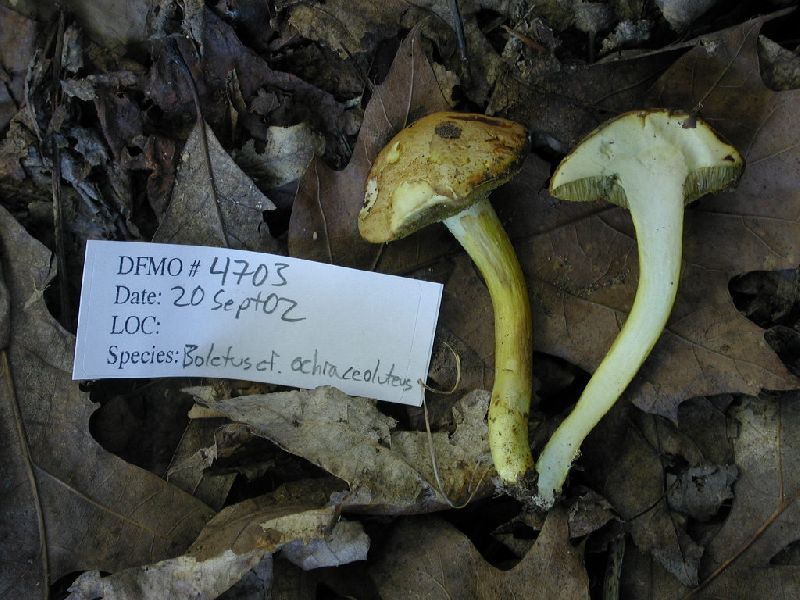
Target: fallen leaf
column 181, row 577
column 700, row 491
column 346, row 543
column 780, row 67
column 347, row 581
column 197, row 452
column 624, row 462
column 255, row 584
column 236, row 540
column 389, row 472
column 564, row 101
column 87, row 498
column 323, row 225
column 589, row 512
column 764, row 518
column 428, row 558
column 17, row 45
column 213, row 202
column 113, row 23
column 352, row 27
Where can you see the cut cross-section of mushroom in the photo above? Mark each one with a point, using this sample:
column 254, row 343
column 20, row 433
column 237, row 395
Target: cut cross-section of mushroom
column 653, row 163
column 442, row 168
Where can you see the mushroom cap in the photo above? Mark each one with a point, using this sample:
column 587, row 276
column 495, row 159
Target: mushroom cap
column 595, row 167
column 437, row 167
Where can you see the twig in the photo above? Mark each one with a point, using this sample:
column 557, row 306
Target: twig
column 64, row 304
column 613, row 574
column 747, row 544
column 458, row 27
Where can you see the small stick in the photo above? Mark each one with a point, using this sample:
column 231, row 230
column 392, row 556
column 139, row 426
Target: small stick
column 458, row 27
column 64, row 304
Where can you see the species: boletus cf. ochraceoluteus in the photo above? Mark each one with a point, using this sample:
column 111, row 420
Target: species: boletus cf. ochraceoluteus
column 442, row 168
column 653, row 163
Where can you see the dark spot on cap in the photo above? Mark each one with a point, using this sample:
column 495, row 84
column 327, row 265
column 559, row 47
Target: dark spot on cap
column 729, row 158
column 448, row 131
column 690, row 123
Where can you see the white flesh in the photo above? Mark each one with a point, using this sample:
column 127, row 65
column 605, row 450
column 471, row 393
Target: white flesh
column 656, row 202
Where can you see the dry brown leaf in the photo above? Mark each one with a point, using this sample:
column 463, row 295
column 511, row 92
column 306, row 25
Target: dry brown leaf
column 625, row 459
column 355, row 28
column 351, row 27
column 389, row 472
column 182, row 577
column 427, row 558
column 17, row 45
column 269, row 96
column 700, row 491
column 197, row 451
column 566, row 101
column 89, row 499
column 764, row 518
column 293, row 518
column 213, row 202
column 323, row 226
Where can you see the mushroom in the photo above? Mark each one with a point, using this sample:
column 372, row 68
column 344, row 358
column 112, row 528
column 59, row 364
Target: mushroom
column 653, row 163
column 442, row 168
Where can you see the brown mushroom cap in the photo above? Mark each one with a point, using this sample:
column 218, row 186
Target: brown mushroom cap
column 436, row 168
column 592, row 171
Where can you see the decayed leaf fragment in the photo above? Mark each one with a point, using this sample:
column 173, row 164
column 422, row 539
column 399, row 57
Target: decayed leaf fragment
column 295, row 518
column 740, row 560
column 88, row 498
column 389, row 472
column 428, row 558
column 624, row 458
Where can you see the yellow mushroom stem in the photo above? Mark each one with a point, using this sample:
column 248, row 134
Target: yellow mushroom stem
column 481, row 234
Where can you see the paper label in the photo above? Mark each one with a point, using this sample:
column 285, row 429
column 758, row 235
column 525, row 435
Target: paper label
column 161, row 310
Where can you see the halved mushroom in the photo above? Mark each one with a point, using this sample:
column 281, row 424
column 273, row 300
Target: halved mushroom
column 442, row 168
column 653, row 163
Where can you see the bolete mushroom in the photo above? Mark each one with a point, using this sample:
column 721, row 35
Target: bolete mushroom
column 653, row 163
column 442, row 168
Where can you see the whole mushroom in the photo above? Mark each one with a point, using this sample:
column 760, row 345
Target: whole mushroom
column 442, row 168
column 653, row 163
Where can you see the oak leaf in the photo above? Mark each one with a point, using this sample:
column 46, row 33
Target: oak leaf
column 428, row 558
column 65, row 502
